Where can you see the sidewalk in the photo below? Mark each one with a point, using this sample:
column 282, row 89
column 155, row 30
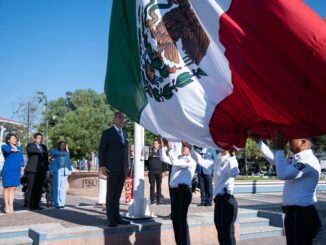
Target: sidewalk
column 83, row 216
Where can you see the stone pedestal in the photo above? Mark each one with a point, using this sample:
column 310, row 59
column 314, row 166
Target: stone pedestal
column 83, row 184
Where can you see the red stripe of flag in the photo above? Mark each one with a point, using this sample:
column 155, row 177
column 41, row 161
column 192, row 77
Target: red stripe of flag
column 277, row 55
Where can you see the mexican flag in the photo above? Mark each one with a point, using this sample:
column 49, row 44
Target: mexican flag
column 207, row 71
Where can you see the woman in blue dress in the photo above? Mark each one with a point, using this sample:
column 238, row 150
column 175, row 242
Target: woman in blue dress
column 61, row 169
column 11, row 171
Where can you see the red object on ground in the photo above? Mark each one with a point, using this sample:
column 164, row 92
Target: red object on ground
column 128, row 189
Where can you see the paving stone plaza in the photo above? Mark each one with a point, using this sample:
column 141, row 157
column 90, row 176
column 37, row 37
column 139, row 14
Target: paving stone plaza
column 84, row 222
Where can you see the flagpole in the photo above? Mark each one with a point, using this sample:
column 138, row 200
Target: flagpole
column 138, row 208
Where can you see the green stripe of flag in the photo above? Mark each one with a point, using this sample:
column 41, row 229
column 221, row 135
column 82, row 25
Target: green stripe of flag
column 123, row 82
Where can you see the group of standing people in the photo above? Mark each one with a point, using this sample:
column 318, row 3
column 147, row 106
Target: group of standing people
column 300, row 173
column 114, row 161
column 35, row 171
column 184, row 160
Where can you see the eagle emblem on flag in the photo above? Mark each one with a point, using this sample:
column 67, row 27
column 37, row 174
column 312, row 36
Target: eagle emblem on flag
column 172, row 44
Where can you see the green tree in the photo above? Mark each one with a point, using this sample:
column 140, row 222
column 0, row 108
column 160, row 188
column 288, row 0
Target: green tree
column 249, row 156
column 149, row 137
column 79, row 120
column 251, row 150
column 320, row 144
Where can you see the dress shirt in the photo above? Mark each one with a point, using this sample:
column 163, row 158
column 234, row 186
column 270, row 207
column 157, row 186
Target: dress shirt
column 39, row 147
column 300, row 173
column 225, row 169
column 183, row 167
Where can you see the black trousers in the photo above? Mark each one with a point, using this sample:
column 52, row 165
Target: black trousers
column 170, row 170
column 155, row 177
column 115, row 184
column 225, row 214
column 35, row 182
column 301, row 224
column 206, row 188
column 180, row 201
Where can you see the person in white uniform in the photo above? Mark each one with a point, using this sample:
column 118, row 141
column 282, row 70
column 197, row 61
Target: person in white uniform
column 183, row 170
column 225, row 169
column 301, row 174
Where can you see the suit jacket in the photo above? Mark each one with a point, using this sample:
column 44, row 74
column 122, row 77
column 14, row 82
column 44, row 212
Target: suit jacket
column 114, row 155
column 37, row 159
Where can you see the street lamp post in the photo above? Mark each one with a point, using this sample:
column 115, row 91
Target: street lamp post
column 43, row 98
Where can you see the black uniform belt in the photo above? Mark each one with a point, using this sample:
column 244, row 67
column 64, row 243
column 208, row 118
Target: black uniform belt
column 295, row 208
column 223, row 196
column 181, row 187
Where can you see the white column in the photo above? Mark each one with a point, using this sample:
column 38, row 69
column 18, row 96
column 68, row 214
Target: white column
column 138, row 208
column 3, row 129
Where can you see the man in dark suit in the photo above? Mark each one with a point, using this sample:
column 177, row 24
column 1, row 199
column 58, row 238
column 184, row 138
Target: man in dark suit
column 36, row 168
column 114, row 160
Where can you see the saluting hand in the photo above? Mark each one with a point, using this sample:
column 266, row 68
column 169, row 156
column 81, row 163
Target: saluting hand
column 14, row 149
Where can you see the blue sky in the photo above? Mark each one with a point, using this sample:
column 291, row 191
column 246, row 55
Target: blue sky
column 57, row 46
column 51, row 46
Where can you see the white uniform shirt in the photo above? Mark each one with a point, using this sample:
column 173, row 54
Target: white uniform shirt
column 301, row 175
column 225, row 169
column 183, row 167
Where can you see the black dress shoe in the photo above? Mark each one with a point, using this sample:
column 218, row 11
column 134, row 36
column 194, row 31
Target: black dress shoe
column 38, row 208
column 208, row 204
column 112, row 223
column 122, row 221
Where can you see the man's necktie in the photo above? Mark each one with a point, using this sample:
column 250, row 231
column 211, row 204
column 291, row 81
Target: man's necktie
column 121, row 136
